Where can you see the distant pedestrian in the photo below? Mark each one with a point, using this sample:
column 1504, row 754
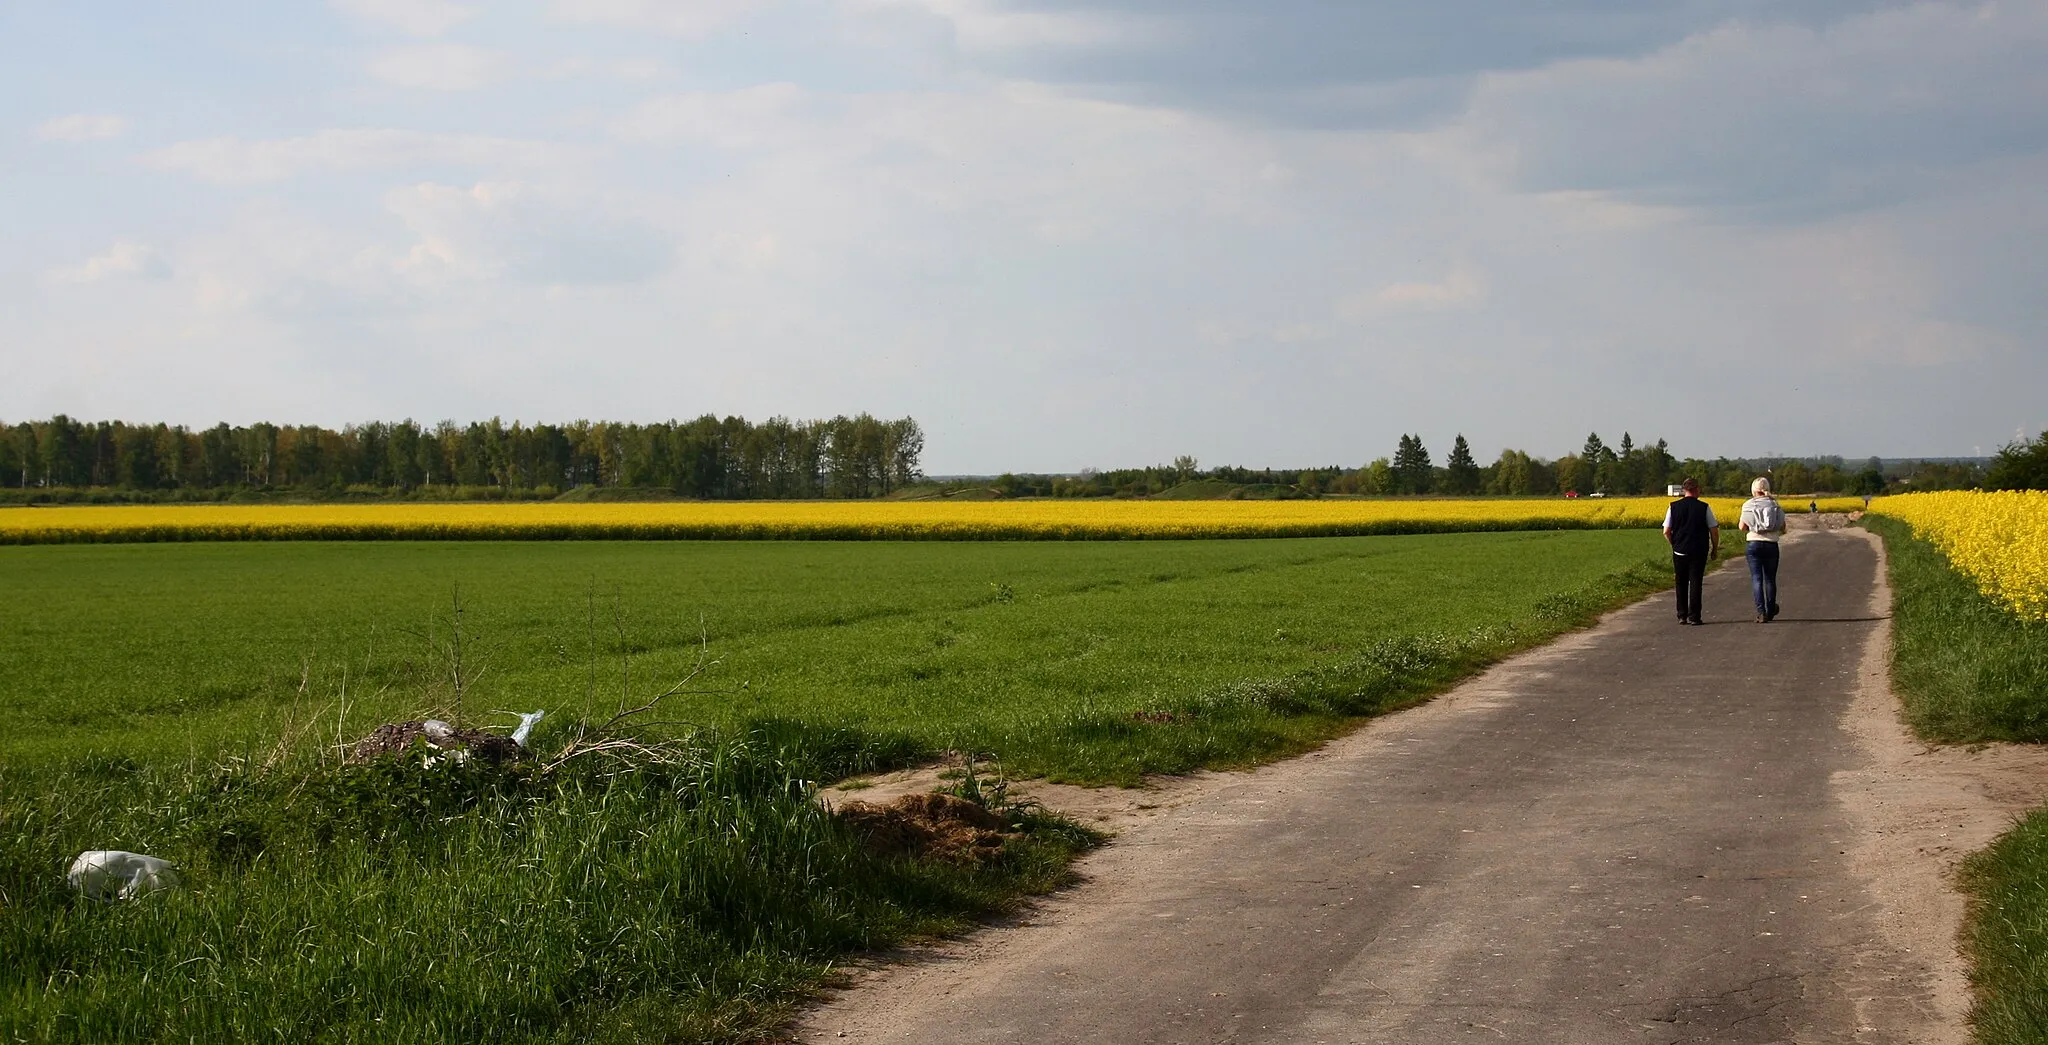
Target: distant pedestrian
column 1764, row 522
column 1813, row 507
column 1695, row 537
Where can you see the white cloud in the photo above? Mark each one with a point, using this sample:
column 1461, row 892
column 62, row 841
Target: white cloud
column 82, row 127
column 768, row 114
column 232, row 160
column 411, row 17
column 513, row 231
column 991, row 27
column 440, row 67
column 1462, row 286
column 686, row 18
column 124, row 258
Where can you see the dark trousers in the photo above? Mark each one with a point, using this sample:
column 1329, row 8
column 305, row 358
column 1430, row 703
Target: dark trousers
column 1763, row 577
column 1692, row 575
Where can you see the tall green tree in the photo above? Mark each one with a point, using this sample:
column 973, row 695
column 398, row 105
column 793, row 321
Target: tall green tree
column 1413, row 472
column 1461, row 472
column 2020, row 465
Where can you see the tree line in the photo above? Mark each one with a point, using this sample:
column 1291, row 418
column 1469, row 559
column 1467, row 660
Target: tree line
column 1623, row 469
column 710, row 457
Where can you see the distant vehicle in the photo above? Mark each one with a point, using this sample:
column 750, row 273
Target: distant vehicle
column 1674, row 490
column 1597, row 493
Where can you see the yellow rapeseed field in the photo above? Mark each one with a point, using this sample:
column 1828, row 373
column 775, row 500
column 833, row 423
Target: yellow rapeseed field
column 1999, row 540
column 824, row 520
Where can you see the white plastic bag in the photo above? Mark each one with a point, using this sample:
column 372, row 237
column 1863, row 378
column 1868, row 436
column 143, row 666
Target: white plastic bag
column 112, row 874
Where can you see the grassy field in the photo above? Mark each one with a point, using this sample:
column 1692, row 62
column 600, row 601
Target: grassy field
column 1969, row 669
column 137, row 649
column 145, row 686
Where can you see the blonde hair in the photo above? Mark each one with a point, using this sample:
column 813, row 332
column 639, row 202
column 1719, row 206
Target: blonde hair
column 1759, row 486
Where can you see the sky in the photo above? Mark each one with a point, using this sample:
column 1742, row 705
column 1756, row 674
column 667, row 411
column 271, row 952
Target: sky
column 1061, row 234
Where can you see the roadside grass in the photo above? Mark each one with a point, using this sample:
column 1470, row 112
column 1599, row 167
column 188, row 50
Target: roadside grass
column 387, row 902
column 2007, row 935
column 1968, row 671
column 147, row 687
column 1965, row 667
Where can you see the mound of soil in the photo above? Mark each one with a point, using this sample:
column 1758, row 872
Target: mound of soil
column 397, row 738
column 929, row 825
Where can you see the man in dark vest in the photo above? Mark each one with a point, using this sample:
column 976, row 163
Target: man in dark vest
column 1695, row 537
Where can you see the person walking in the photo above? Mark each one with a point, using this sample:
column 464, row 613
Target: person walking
column 1695, row 537
column 1763, row 522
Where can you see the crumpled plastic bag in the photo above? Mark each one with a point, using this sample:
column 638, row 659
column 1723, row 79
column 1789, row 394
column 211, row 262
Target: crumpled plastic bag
column 113, row 874
column 526, row 723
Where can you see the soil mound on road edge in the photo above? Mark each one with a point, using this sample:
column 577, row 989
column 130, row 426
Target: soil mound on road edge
column 932, row 825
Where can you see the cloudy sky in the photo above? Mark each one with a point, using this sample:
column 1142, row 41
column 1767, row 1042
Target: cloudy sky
column 1059, row 233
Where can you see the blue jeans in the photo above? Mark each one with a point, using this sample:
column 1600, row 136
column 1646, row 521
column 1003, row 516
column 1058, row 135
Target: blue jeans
column 1763, row 576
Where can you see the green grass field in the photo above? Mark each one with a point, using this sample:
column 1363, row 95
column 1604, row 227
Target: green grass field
column 143, row 650
column 145, row 687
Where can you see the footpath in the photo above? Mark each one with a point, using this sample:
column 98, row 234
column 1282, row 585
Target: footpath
column 1642, row 833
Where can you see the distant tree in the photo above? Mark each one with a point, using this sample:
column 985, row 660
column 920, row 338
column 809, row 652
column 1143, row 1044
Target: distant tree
column 1378, row 477
column 1628, row 475
column 1461, row 472
column 1412, row 469
column 2020, row 465
column 1594, row 448
column 1573, row 475
column 1185, row 468
column 1869, row 481
column 1512, row 474
column 1601, row 465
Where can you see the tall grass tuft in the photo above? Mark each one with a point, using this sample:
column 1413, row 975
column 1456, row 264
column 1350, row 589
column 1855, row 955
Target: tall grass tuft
column 689, row 900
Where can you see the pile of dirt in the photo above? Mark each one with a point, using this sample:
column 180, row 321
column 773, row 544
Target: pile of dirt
column 397, row 738
column 929, row 825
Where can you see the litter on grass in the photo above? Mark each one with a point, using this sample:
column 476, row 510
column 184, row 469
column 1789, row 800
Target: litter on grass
column 443, row 740
column 114, row 874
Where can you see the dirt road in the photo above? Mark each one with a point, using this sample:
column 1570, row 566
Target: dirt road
column 1643, row 833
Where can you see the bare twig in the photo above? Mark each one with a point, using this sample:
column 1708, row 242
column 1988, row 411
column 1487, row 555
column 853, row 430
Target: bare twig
column 607, row 738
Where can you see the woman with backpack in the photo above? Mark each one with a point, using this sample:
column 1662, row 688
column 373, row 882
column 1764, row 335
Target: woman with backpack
column 1763, row 522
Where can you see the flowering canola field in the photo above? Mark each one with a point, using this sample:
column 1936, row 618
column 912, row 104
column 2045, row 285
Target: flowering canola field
column 824, row 520
column 1999, row 540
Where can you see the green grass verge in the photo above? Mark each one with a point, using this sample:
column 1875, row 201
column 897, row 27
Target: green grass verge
column 1968, row 671
column 386, row 902
column 146, row 687
column 2007, row 935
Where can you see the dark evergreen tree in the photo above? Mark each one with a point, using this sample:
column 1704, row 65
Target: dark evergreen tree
column 1461, row 471
column 1412, row 469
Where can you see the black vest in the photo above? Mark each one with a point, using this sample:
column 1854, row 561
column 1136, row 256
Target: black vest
column 1689, row 526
